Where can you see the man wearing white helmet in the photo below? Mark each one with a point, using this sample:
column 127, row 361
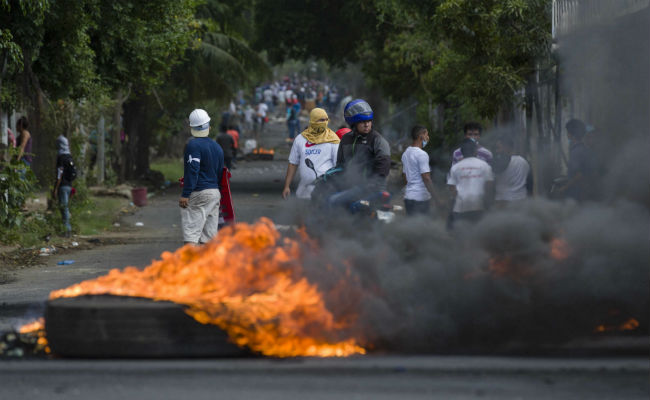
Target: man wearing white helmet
column 200, row 199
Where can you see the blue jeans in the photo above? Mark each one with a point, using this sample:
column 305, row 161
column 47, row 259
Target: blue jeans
column 294, row 128
column 64, row 199
column 23, row 171
column 346, row 197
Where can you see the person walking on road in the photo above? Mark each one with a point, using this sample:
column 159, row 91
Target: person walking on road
column 581, row 170
column 471, row 181
column 234, row 134
column 317, row 143
column 24, row 141
column 227, row 143
column 293, row 123
column 203, row 168
column 65, row 174
column 473, row 131
column 417, row 174
column 512, row 173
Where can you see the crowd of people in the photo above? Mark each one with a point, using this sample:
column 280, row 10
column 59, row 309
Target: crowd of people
column 283, row 99
column 477, row 180
column 361, row 159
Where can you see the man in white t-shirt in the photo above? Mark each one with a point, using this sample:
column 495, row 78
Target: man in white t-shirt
column 472, row 183
column 513, row 178
column 262, row 108
column 317, row 143
column 417, row 173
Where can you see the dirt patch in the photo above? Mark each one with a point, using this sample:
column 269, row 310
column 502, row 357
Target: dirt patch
column 21, row 258
column 18, row 258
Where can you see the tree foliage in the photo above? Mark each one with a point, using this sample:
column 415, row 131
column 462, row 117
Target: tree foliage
column 453, row 52
column 138, row 42
column 82, row 50
column 214, row 67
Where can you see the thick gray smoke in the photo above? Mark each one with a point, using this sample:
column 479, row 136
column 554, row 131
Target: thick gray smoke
column 509, row 281
column 417, row 287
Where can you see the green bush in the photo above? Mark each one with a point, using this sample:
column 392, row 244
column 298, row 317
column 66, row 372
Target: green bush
column 17, row 184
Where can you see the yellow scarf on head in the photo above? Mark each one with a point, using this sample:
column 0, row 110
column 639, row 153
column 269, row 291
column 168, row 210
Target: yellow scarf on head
column 318, row 132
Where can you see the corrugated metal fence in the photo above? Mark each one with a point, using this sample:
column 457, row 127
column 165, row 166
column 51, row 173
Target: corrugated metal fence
column 571, row 15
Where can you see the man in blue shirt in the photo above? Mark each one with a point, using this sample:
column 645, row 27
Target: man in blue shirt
column 201, row 198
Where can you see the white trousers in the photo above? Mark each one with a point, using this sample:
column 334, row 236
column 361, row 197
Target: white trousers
column 200, row 218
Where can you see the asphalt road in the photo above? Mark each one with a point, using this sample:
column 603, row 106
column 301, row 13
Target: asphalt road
column 355, row 378
column 256, row 189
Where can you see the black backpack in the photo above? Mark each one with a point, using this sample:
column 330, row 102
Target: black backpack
column 69, row 169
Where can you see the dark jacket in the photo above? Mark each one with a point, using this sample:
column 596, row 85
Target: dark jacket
column 581, row 161
column 365, row 158
column 227, row 144
column 203, row 165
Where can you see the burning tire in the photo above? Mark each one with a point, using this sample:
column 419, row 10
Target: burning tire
column 130, row 327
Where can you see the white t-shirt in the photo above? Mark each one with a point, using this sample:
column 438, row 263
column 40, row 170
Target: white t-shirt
column 323, row 156
column 248, row 114
column 261, row 110
column 415, row 162
column 510, row 185
column 268, row 95
column 469, row 176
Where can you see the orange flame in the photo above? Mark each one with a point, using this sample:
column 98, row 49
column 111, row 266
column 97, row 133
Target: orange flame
column 33, row 326
column 37, row 328
column 559, row 249
column 262, row 150
column 248, row 281
column 629, row 325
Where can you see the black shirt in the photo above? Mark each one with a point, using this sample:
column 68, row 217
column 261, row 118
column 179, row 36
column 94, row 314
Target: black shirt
column 227, row 143
column 61, row 161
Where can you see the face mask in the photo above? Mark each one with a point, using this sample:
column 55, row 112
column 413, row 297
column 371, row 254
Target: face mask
column 318, row 127
column 424, row 143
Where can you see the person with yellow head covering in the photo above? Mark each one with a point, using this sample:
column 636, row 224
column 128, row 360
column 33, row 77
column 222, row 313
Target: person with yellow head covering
column 319, row 144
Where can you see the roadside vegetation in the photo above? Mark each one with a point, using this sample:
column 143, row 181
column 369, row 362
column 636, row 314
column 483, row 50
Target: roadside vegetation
column 32, row 219
column 172, row 168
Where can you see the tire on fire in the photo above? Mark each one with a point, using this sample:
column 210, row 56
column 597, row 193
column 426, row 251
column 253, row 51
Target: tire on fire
column 131, row 327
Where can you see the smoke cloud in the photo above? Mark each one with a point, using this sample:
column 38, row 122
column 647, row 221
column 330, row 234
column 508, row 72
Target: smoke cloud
column 504, row 283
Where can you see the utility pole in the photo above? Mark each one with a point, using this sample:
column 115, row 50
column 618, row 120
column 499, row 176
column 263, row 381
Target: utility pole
column 100, row 150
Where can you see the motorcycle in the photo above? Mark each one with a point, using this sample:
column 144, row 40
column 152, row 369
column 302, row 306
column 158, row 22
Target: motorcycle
column 375, row 205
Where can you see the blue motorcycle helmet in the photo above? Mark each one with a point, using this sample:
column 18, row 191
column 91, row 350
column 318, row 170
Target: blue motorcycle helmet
column 357, row 110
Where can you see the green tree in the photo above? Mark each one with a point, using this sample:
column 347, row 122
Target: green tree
column 471, row 56
column 137, row 43
column 214, row 67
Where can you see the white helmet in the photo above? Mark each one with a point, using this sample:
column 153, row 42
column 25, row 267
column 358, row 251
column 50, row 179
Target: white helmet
column 199, row 123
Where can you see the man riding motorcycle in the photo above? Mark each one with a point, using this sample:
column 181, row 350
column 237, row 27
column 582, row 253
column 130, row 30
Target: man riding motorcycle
column 364, row 156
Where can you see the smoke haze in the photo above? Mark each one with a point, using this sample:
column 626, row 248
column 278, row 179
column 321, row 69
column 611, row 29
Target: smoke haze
column 419, row 288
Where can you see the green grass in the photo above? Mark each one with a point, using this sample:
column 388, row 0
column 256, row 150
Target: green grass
column 100, row 216
column 171, row 168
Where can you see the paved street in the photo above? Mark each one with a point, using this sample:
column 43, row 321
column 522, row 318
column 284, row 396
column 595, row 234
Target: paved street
column 356, row 378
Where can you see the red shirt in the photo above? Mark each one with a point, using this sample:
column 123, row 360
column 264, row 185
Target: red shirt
column 235, row 137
